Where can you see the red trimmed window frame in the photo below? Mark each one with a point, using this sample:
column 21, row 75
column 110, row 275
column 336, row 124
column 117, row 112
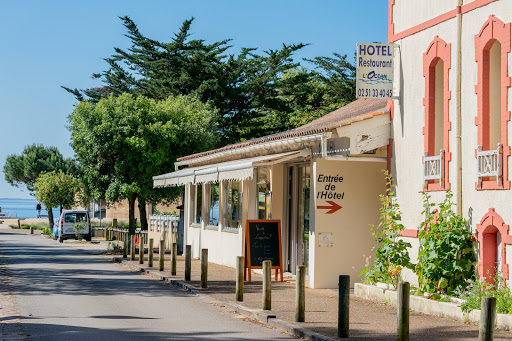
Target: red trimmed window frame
column 491, row 223
column 492, row 30
column 437, row 49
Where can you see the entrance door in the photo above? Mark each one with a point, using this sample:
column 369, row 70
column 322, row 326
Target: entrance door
column 299, row 187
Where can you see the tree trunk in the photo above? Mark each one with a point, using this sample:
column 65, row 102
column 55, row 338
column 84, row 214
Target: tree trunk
column 61, row 208
column 50, row 218
column 131, row 215
column 143, row 214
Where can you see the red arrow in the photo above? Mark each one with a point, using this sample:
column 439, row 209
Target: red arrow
column 333, row 208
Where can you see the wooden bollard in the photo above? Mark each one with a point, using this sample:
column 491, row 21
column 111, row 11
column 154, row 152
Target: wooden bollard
column 267, row 285
column 188, row 262
column 132, row 249
column 174, row 254
column 204, row 268
column 150, row 253
column 487, row 318
column 343, row 306
column 300, row 294
column 141, row 250
column 161, row 254
column 402, row 311
column 240, row 278
column 31, row 229
column 125, row 244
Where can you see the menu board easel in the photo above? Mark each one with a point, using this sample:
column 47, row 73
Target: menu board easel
column 263, row 242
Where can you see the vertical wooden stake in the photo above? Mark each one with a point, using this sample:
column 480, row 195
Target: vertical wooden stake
column 343, row 306
column 132, row 249
column 125, row 244
column 402, row 313
column 267, row 285
column 204, row 268
column 141, row 249
column 31, row 229
column 240, row 267
column 487, row 318
column 150, row 253
column 188, row 262
column 174, row 254
column 161, row 253
column 300, row 294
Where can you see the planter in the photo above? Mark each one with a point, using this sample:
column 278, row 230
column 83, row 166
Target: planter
column 427, row 306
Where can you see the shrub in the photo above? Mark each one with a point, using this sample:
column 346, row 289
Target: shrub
column 391, row 254
column 479, row 288
column 446, row 260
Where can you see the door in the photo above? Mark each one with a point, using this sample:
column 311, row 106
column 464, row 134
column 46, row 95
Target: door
column 298, row 206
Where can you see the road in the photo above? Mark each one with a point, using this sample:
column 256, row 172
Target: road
column 62, row 293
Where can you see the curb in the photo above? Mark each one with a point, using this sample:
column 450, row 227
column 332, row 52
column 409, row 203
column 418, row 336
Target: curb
column 258, row 315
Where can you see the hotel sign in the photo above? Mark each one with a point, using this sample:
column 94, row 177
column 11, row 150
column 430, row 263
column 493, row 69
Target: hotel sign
column 374, row 78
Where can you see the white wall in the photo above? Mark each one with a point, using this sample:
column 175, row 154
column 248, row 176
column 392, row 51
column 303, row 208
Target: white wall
column 349, row 227
column 409, row 113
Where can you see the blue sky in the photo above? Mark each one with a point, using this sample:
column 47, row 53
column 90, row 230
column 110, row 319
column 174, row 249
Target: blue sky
column 46, row 44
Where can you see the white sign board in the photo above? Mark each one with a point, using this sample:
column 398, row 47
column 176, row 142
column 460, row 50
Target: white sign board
column 374, row 77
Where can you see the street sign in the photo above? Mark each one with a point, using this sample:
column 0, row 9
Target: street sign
column 374, row 77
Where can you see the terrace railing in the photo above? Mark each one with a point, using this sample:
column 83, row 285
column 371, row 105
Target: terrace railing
column 490, row 163
column 434, row 168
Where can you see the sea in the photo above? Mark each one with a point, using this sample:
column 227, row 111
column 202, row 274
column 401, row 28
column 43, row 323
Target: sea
column 23, row 208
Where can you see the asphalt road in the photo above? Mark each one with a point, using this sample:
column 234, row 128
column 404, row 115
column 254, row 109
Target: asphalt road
column 62, row 293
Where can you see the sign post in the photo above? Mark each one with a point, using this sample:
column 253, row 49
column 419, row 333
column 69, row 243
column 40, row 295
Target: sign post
column 374, row 76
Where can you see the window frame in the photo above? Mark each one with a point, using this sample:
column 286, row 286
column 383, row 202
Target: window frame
column 208, row 207
column 225, row 214
column 193, row 197
column 492, row 30
column 437, row 50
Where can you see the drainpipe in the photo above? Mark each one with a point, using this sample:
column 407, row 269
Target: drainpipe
column 459, row 109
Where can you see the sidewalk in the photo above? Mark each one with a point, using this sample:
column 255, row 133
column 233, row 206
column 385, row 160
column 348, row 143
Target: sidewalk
column 368, row 320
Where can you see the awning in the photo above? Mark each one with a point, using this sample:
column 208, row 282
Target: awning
column 231, row 171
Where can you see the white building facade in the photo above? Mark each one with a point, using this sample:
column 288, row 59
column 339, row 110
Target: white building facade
column 451, row 122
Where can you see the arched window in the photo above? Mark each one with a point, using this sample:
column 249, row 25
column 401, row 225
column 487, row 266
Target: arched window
column 436, row 67
column 492, row 45
column 493, row 236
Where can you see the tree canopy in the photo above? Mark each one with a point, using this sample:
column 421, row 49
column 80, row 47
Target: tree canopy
column 256, row 93
column 122, row 142
column 24, row 169
column 56, row 189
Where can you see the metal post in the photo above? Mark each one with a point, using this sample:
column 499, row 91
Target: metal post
column 402, row 313
column 141, row 249
column 300, row 294
column 188, row 262
column 267, row 285
column 204, row 268
column 31, row 229
column 132, row 251
column 150, row 253
column 125, row 244
column 343, row 306
column 161, row 253
column 240, row 278
column 174, row 252
column 487, row 318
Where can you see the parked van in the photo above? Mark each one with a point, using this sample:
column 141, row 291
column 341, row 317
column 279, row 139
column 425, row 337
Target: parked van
column 70, row 218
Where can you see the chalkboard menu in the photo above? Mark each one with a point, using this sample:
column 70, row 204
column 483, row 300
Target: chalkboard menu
column 263, row 241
